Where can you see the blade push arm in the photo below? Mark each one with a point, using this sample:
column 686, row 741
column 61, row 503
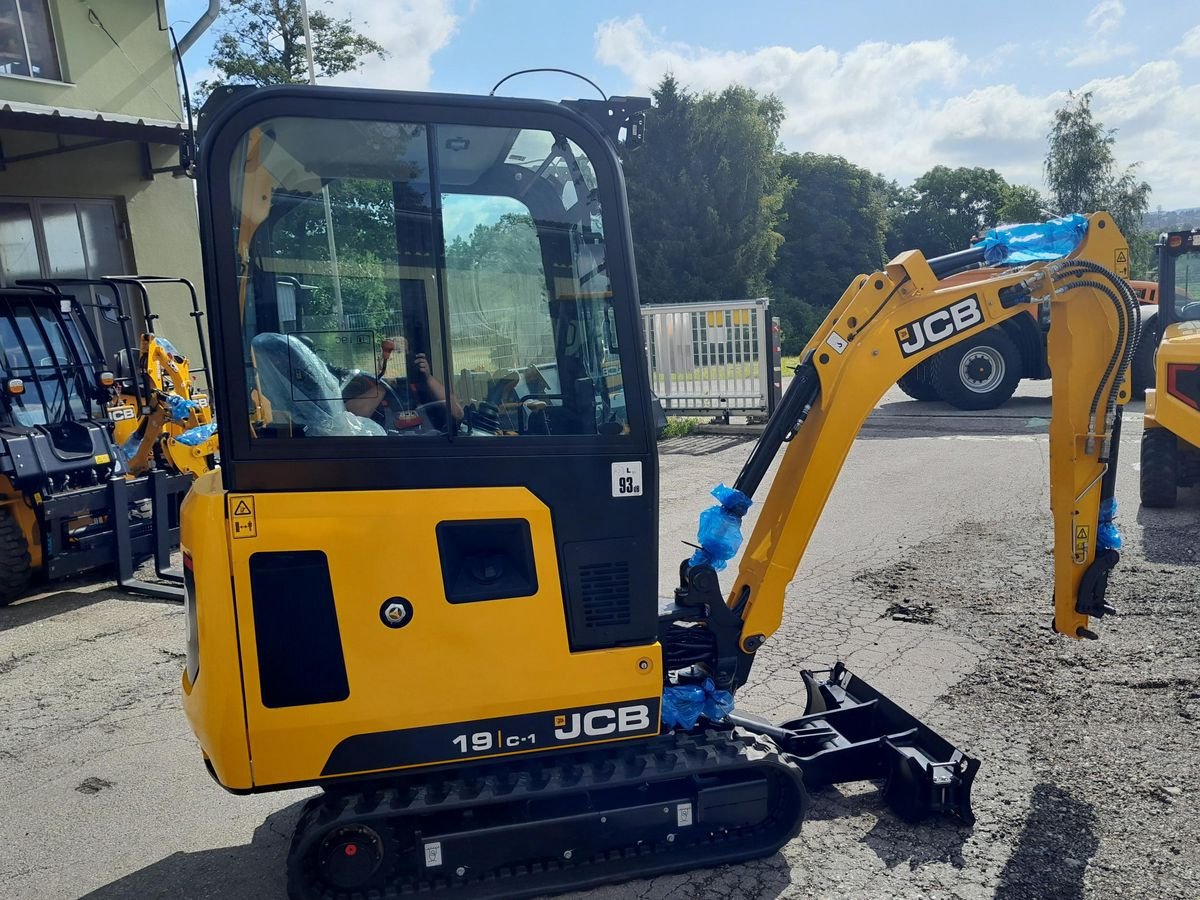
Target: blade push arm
column 887, row 323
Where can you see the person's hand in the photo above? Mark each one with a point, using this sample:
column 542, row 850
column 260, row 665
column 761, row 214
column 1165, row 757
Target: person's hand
column 422, row 363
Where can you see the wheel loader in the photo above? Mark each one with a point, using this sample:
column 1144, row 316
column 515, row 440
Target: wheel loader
column 450, row 623
column 1170, row 456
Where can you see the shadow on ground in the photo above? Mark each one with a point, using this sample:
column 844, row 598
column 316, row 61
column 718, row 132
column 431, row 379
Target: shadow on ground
column 1172, row 536
column 1052, row 850
column 893, row 840
column 254, row 871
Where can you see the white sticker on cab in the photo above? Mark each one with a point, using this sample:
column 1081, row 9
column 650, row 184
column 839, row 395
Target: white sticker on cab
column 627, row 479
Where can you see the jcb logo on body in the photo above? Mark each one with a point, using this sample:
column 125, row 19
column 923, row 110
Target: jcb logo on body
column 121, row 413
column 939, row 325
column 602, row 722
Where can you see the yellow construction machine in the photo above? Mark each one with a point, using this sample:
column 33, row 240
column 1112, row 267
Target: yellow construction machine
column 450, row 623
column 1170, row 456
column 98, row 444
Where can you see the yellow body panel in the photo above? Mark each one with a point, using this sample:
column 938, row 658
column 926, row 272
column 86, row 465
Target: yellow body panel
column 452, row 663
column 1180, row 345
column 214, row 704
column 26, row 517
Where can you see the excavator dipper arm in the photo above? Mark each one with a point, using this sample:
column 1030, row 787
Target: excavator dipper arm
column 884, row 325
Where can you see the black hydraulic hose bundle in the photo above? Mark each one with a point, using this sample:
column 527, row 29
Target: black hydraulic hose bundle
column 781, row 426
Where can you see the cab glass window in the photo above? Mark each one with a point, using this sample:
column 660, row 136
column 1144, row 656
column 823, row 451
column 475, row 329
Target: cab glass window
column 414, row 281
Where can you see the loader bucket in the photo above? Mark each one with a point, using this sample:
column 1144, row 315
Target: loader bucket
column 851, row 732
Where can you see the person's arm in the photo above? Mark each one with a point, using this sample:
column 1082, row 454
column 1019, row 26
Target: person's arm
column 435, row 390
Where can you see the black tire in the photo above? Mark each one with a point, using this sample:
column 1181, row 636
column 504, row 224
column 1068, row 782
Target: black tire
column 1160, row 468
column 918, row 382
column 980, row 373
column 16, row 568
column 1141, row 372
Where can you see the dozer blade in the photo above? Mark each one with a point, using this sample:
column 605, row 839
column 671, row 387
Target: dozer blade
column 851, row 732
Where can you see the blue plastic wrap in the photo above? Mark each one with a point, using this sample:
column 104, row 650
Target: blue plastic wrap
column 717, row 704
column 1017, row 244
column 194, row 437
column 1108, row 534
column 720, row 532
column 180, row 408
column 684, row 704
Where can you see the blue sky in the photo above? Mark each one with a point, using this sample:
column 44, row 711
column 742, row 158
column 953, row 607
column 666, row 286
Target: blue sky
column 889, row 87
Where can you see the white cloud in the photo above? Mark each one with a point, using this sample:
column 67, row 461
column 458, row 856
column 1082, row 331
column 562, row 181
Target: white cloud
column 898, row 109
column 1190, row 45
column 411, row 31
column 1102, row 23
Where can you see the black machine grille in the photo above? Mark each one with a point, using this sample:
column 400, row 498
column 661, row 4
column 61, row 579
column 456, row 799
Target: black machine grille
column 605, row 591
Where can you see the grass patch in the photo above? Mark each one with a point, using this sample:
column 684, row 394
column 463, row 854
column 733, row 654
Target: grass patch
column 787, row 363
column 680, row 427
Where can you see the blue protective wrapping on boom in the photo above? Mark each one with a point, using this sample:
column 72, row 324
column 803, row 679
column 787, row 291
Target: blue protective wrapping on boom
column 1108, row 534
column 1013, row 245
column 720, row 532
column 194, row 437
column 180, row 408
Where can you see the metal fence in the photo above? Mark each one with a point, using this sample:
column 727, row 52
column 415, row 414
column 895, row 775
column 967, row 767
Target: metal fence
column 713, row 358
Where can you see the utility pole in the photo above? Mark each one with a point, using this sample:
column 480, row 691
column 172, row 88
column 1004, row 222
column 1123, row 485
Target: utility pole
column 333, row 260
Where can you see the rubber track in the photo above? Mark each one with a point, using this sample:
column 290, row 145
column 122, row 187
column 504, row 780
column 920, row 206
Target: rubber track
column 16, row 568
column 676, row 757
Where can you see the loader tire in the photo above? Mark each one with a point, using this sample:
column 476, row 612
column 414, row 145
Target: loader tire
column 1160, row 468
column 16, row 568
column 918, row 383
column 980, row 373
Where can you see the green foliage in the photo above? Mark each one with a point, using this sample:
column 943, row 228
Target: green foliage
column 1143, row 258
column 946, row 208
column 706, row 194
column 262, row 42
column 1081, row 169
column 1021, row 204
column 679, row 427
column 799, row 319
column 836, row 227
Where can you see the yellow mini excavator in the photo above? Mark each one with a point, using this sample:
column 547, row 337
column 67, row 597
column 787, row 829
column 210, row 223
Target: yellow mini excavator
column 449, row 621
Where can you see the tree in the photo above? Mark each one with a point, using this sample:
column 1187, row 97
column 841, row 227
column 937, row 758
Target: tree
column 1081, row 169
column 262, row 42
column 705, row 194
column 1022, row 204
column 946, row 208
column 835, row 227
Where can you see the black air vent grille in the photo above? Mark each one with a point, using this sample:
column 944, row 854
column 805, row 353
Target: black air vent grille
column 605, row 593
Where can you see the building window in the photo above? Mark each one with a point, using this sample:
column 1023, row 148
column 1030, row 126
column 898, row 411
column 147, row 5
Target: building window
column 27, row 40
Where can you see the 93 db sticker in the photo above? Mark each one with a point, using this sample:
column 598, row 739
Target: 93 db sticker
column 939, row 325
column 627, row 479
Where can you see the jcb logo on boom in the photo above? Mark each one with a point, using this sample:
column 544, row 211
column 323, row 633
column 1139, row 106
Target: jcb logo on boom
column 602, row 722
column 939, row 325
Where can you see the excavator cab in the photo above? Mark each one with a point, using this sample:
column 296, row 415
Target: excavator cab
column 425, row 575
column 1171, row 440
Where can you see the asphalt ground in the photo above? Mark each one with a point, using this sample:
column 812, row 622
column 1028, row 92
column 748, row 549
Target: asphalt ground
column 929, row 575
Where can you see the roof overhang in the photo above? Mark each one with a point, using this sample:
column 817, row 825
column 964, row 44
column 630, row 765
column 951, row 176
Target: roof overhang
column 89, row 123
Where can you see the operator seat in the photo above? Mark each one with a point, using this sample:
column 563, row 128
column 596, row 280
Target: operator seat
column 297, row 383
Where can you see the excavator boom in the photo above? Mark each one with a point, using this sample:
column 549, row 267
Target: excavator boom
column 887, row 323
